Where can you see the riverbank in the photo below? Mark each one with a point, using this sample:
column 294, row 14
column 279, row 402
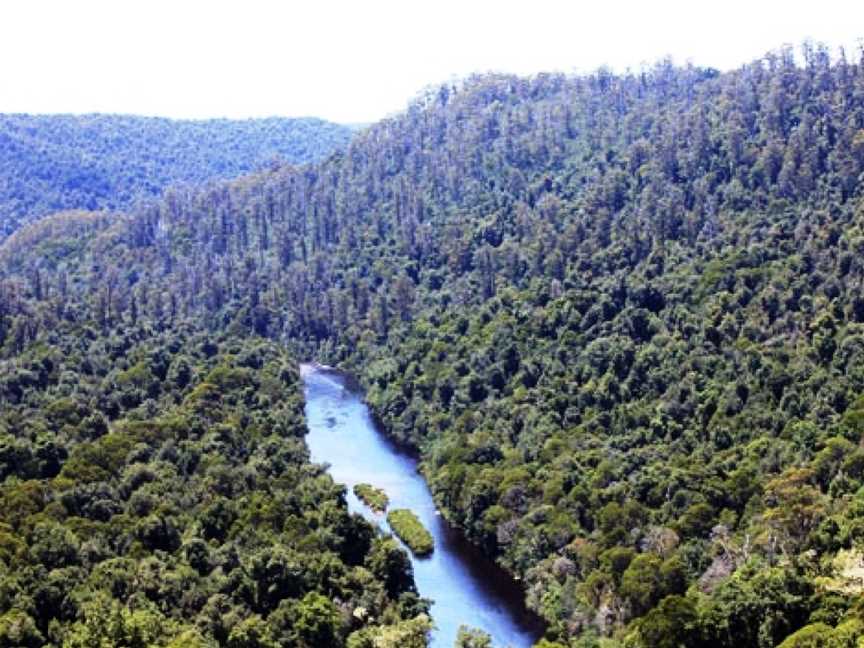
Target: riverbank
column 466, row 586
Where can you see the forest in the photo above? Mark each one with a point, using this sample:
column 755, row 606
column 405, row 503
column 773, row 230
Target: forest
column 619, row 316
column 50, row 163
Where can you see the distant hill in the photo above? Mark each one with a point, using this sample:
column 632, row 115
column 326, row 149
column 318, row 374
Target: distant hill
column 58, row 162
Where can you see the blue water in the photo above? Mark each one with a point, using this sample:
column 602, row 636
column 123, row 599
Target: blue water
column 467, row 588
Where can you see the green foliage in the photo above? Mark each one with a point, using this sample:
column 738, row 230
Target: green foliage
column 389, row 563
column 251, row 632
column 756, row 607
column 317, row 621
column 411, row 531
column 108, row 622
column 192, row 520
column 413, row 633
column 672, row 624
column 472, row 638
column 17, row 628
column 847, row 634
column 617, row 316
column 57, row 162
column 373, row 497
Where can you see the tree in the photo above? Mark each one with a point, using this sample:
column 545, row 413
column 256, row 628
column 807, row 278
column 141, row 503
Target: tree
column 107, row 621
column 18, row 629
column 413, row 633
column 472, row 638
column 674, row 623
column 251, row 632
column 316, row 621
column 794, row 508
column 641, row 583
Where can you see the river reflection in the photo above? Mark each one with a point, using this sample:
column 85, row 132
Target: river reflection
column 467, row 588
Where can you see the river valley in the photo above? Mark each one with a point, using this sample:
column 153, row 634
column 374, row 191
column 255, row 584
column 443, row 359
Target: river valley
column 466, row 586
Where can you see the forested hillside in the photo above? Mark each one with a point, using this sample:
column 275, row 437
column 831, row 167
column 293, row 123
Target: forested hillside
column 620, row 317
column 157, row 492
column 50, row 163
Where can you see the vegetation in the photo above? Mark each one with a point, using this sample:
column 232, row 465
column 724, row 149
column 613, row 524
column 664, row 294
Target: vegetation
column 52, row 163
column 157, row 491
column 413, row 633
column 373, row 497
column 472, row 638
column 618, row 316
column 411, row 531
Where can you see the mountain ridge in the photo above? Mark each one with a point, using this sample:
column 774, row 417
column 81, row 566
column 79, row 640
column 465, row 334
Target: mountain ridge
column 105, row 161
column 618, row 315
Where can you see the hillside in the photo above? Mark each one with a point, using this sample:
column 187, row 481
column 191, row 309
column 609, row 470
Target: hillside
column 157, row 492
column 51, row 163
column 619, row 316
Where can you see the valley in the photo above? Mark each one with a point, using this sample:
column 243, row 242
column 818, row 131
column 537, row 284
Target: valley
column 614, row 319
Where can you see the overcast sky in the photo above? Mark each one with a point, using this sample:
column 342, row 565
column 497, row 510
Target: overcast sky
column 357, row 61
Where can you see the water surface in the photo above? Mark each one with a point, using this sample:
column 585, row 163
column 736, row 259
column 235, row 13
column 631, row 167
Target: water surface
column 467, row 587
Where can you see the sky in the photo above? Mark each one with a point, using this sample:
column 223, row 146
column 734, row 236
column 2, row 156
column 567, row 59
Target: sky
column 358, row 61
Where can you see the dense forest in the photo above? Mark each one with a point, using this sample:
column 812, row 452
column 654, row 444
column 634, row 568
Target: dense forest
column 620, row 317
column 157, row 492
column 50, row 163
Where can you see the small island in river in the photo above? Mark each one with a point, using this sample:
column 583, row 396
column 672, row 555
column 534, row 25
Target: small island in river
column 375, row 498
column 411, row 531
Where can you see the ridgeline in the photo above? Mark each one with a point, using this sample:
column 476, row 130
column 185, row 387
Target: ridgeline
column 51, row 163
column 619, row 316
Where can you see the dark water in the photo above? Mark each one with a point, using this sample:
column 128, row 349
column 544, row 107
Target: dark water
column 466, row 586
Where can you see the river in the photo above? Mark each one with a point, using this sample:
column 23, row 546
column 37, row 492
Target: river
column 466, row 587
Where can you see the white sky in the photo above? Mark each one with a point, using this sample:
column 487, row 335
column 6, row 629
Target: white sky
column 359, row 61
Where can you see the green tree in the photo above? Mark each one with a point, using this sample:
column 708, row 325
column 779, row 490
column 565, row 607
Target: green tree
column 472, row 638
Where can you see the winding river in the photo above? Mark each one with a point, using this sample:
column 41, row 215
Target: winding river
column 466, row 587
